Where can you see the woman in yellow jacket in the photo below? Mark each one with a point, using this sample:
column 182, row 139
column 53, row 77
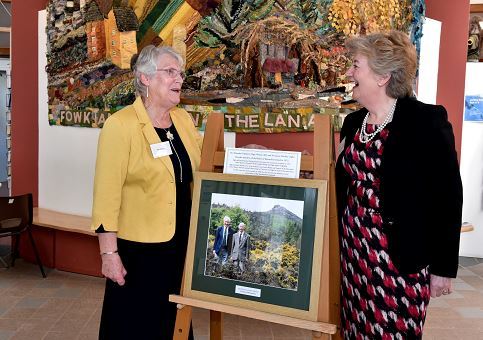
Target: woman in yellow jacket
column 147, row 154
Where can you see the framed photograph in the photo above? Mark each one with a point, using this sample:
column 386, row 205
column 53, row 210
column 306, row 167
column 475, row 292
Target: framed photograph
column 256, row 242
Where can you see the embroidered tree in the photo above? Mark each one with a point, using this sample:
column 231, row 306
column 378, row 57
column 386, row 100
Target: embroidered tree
column 353, row 17
column 215, row 30
column 312, row 14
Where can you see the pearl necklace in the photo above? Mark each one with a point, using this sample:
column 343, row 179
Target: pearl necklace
column 364, row 136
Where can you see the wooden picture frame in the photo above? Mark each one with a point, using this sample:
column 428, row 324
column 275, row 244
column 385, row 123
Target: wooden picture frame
column 299, row 301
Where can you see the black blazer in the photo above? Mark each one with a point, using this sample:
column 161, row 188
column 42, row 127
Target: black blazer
column 421, row 191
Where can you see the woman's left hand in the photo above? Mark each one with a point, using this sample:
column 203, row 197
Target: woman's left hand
column 440, row 286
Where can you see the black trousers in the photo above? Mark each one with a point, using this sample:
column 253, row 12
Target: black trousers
column 140, row 309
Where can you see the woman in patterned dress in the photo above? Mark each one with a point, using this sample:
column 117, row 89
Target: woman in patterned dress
column 399, row 196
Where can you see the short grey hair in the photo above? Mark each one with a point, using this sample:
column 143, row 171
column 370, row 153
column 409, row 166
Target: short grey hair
column 146, row 63
column 226, row 219
column 389, row 53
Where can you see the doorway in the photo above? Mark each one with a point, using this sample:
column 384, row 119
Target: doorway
column 4, row 136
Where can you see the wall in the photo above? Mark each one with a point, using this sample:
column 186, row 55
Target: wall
column 472, row 169
column 427, row 82
column 452, row 57
column 25, row 67
column 66, row 154
column 24, row 96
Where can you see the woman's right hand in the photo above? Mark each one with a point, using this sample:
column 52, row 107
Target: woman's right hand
column 113, row 269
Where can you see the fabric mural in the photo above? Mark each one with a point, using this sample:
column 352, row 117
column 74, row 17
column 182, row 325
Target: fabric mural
column 246, row 119
column 267, row 64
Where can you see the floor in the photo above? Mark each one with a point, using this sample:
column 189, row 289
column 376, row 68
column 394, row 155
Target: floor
column 67, row 306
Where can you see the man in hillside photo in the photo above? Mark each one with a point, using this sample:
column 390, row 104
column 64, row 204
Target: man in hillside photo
column 240, row 247
column 223, row 241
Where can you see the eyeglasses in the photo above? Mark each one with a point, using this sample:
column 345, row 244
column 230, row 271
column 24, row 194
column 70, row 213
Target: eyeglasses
column 172, row 72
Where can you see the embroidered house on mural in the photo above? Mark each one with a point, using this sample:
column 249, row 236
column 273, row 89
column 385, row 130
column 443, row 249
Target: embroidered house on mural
column 277, row 66
column 72, row 6
column 95, row 31
column 277, row 50
column 121, row 26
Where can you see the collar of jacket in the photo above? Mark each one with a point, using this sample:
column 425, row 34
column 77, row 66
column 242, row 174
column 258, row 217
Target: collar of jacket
column 402, row 110
column 397, row 118
column 149, row 132
column 147, row 127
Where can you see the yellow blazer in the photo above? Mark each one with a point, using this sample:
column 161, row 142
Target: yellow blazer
column 135, row 193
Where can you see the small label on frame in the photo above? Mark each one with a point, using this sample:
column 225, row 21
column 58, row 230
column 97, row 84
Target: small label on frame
column 248, row 291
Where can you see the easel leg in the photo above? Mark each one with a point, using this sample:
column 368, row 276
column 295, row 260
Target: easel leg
column 320, row 336
column 183, row 323
column 216, row 325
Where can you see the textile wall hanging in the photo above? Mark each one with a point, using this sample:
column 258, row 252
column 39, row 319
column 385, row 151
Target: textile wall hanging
column 265, row 57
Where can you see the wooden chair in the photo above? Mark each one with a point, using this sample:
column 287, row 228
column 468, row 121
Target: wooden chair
column 16, row 214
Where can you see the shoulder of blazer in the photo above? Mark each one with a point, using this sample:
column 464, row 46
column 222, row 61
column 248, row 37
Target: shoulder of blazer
column 182, row 116
column 122, row 122
column 182, row 113
column 410, row 110
column 352, row 122
column 132, row 115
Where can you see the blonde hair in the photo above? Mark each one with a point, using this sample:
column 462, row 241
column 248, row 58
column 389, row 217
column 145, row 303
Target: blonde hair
column 146, row 63
column 389, row 53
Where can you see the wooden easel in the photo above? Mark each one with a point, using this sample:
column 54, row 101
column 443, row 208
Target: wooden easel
column 322, row 166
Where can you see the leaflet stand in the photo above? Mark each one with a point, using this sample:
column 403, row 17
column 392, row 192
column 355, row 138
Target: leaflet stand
column 322, row 167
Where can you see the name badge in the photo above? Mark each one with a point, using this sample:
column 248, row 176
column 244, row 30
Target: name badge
column 161, row 149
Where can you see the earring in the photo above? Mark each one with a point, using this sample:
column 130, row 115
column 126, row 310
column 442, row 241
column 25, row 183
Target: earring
column 147, row 91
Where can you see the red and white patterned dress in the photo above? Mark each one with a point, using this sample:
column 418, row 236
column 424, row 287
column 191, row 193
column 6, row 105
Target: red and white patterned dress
column 377, row 302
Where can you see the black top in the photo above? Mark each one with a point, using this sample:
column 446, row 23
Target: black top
column 181, row 165
column 183, row 177
column 419, row 153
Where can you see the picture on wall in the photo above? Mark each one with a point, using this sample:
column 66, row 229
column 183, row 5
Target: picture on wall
column 474, row 108
column 251, row 50
column 256, row 242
